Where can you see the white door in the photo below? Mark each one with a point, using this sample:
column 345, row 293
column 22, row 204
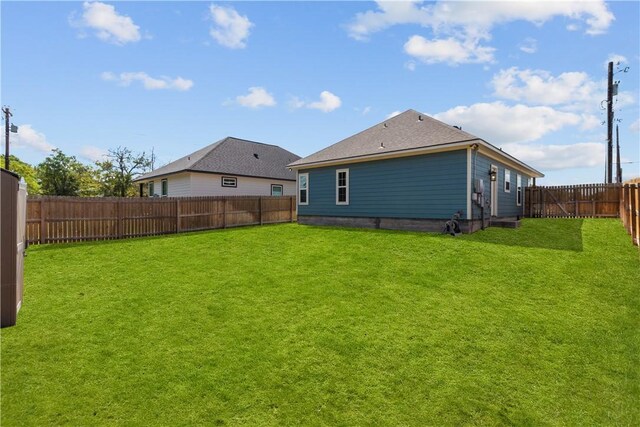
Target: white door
column 494, row 192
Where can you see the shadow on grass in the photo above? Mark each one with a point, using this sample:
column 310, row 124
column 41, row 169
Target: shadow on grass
column 558, row 234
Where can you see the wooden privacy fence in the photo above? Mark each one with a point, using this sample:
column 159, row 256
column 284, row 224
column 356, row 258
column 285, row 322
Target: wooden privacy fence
column 630, row 210
column 573, row 201
column 72, row 219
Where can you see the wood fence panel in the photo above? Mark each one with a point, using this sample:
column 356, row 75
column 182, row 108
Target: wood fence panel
column 630, row 210
column 573, row 201
column 71, row 219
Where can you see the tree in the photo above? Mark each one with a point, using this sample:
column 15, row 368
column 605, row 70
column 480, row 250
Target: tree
column 60, row 175
column 119, row 170
column 26, row 171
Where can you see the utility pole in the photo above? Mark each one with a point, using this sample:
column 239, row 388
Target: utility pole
column 618, row 168
column 7, row 114
column 610, row 124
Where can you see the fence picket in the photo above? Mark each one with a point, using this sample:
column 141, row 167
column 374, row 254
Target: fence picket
column 70, row 219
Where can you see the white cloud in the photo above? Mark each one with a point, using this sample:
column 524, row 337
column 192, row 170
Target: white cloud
column 573, row 27
column 393, row 114
column 231, row 29
column 477, row 17
column 459, row 27
column 92, row 153
column 256, row 98
column 500, row 124
column 450, row 50
column 616, row 59
column 148, row 82
column 327, row 103
column 541, row 87
column 28, row 137
column 529, row 45
column 108, row 25
column 366, row 110
column 574, row 90
column 410, row 65
column 580, row 155
column 635, row 126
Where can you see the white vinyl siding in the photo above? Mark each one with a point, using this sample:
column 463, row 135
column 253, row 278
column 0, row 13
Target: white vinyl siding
column 208, row 184
column 342, row 186
column 303, row 189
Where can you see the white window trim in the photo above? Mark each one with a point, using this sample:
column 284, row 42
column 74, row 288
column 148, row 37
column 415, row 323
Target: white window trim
column 152, row 188
column 162, row 185
column 338, row 172
column 519, row 190
column 235, row 182
column 507, row 179
column 306, row 175
column 281, row 188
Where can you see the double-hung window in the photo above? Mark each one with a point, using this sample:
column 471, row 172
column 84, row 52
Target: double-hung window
column 151, row 189
column 518, row 190
column 507, row 181
column 303, row 189
column 276, row 190
column 165, row 187
column 342, row 186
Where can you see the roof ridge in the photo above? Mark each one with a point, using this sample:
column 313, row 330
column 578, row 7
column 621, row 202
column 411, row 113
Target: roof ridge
column 213, row 146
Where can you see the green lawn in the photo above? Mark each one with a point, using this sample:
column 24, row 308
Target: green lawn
column 291, row 324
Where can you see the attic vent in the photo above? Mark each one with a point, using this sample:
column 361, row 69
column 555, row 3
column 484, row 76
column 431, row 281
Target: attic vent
column 457, row 127
column 189, row 158
column 381, row 146
column 256, row 155
column 385, row 125
column 420, row 118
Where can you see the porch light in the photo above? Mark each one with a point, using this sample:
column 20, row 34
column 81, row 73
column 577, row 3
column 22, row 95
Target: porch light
column 493, row 174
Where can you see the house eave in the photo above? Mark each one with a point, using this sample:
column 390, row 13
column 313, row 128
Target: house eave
column 163, row 175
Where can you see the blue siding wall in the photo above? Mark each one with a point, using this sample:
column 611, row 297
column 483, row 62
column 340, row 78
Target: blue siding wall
column 506, row 201
column 428, row 186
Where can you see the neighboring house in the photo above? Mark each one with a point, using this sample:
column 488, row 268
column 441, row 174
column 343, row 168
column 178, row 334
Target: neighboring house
column 229, row 167
column 411, row 172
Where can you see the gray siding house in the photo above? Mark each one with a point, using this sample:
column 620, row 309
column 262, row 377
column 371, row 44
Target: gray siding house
column 229, row 167
column 411, row 172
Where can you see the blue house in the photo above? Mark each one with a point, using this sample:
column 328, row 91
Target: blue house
column 411, row 172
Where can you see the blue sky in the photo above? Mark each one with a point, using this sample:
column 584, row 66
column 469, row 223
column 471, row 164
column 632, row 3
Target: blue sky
column 526, row 76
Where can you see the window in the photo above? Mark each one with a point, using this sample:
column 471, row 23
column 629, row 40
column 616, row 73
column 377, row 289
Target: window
column 342, row 186
column 276, row 190
column 303, row 189
column 518, row 190
column 229, row 181
column 507, row 181
column 151, row 192
column 165, row 188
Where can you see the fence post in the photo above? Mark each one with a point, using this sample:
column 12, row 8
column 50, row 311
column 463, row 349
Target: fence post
column 43, row 225
column 224, row 212
column 291, row 198
column 177, row 215
column 119, row 220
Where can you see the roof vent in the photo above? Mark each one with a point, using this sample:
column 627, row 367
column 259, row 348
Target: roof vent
column 385, row 125
column 381, row 146
column 256, row 155
column 420, row 118
column 457, row 127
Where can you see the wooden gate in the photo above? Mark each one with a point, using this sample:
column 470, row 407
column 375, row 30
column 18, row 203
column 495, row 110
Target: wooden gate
column 13, row 201
column 573, row 201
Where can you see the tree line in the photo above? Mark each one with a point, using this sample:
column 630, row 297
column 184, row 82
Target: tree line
column 63, row 175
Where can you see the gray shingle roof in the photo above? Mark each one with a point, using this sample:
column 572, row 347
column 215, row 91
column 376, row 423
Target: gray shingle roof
column 407, row 131
column 234, row 156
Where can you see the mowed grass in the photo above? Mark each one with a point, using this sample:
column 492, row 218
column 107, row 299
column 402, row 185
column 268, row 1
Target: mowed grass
column 299, row 325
